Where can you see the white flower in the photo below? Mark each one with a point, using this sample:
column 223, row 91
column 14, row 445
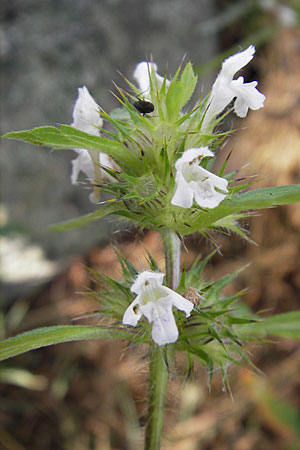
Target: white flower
column 225, row 89
column 195, row 182
column 141, row 75
column 86, row 118
column 155, row 302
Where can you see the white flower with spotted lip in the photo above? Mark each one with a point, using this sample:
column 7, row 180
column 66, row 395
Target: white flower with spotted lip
column 86, row 118
column 155, row 302
column 141, row 75
column 225, row 89
column 195, row 182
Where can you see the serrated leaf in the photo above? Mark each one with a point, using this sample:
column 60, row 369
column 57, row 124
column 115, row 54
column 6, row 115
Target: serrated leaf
column 251, row 200
column 68, row 137
column 42, row 337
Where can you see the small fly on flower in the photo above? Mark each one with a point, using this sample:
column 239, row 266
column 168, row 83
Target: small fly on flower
column 143, row 106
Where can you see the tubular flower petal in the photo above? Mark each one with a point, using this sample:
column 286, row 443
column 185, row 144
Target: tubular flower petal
column 155, row 301
column 225, row 89
column 86, row 118
column 141, row 75
column 195, row 182
column 86, row 115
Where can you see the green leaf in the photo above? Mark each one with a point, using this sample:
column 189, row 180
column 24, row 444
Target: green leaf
column 128, row 269
column 120, row 114
column 265, row 197
column 202, row 355
column 189, row 82
column 174, row 94
column 251, row 200
column 194, row 276
column 42, row 337
column 67, row 137
column 180, row 91
column 283, row 325
column 214, row 292
column 105, row 210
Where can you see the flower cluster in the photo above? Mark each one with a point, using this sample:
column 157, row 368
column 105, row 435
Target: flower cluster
column 192, row 182
column 176, row 149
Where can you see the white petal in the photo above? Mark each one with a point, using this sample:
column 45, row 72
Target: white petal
column 247, row 96
column 164, row 330
column 236, row 62
column 146, row 277
column 225, row 89
column 86, row 118
column 141, row 75
column 205, row 193
column 86, row 115
column 183, row 195
column 88, row 162
column 100, row 159
column 83, row 163
column 160, row 80
column 98, row 172
column 191, row 154
column 208, row 199
column 180, row 302
column 150, row 311
column 106, row 161
column 220, row 97
column 218, row 182
column 133, row 313
column 222, row 94
column 196, row 182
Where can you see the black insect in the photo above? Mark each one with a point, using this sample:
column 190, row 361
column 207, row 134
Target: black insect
column 143, row 106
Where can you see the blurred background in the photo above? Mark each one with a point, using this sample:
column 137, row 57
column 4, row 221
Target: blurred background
column 79, row 396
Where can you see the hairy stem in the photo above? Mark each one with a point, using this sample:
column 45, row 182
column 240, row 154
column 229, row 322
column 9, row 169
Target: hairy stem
column 158, row 372
column 171, row 243
column 158, row 379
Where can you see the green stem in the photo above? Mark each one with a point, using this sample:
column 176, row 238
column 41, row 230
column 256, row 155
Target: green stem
column 158, row 372
column 171, row 243
column 158, row 379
